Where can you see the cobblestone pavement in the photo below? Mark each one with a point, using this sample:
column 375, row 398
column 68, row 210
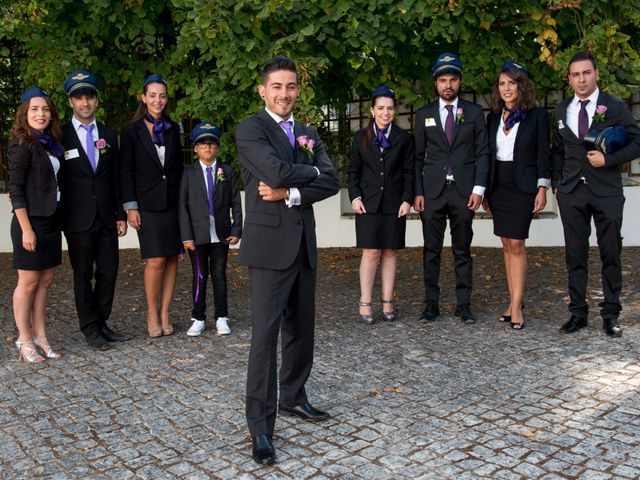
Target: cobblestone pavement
column 408, row 400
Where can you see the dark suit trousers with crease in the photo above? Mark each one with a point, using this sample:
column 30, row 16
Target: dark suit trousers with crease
column 209, row 259
column 97, row 247
column 281, row 300
column 576, row 209
column 450, row 204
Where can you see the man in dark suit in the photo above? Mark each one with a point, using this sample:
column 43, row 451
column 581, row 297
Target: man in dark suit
column 452, row 165
column 285, row 169
column 209, row 193
column 588, row 185
column 93, row 218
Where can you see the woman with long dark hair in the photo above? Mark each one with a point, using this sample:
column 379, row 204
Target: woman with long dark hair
column 150, row 171
column 381, row 192
column 519, row 176
column 35, row 152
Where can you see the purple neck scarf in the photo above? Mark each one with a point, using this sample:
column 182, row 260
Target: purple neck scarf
column 381, row 140
column 49, row 142
column 160, row 125
column 514, row 117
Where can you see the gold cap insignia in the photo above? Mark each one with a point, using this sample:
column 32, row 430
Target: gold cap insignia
column 79, row 76
column 447, row 59
column 207, row 126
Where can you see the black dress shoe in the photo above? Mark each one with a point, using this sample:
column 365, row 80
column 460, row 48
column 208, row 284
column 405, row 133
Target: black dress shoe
column 464, row 312
column 305, row 411
column 611, row 327
column 262, row 449
column 97, row 341
column 430, row 312
column 112, row 336
column 573, row 324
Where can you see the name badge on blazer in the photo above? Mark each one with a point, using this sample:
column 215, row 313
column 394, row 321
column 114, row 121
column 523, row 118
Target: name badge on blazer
column 429, row 122
column 560, row 125
column 69, row 154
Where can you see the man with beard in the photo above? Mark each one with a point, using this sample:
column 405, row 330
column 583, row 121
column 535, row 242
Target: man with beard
column 452, row 165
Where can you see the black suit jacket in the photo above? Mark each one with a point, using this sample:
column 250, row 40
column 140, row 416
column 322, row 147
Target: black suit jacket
column 142, row 177
column 468, row 155
column 86, row 194
column 32, row 181
column 569, row 156
column 272, row 231
column 382, row 179
column 194, row 205
column 531, row 150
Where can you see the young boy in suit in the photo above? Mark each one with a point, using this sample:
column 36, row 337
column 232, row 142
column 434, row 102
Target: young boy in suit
column 208, row 194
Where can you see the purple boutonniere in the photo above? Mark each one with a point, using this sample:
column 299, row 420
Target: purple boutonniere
column 459, row 115
column 219, row 175
column 306, row 145
column 102, row 146
column 600, row 111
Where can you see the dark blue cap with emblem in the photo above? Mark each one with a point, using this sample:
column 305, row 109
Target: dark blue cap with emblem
column 32, row 92
column 608, row 140
column 154, row 78
column 205, row 131
column 447, row 63
column 382, row 91
column 81, row 82
column 513, row 66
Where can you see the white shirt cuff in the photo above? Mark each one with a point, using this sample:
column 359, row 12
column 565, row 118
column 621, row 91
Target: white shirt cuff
column 317, row 170
column 294, row 197
column 130, row 206
column 544, row 182
column 478, row 190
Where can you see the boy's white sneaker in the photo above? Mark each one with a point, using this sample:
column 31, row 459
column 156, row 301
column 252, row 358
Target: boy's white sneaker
column 222, row 326
column 197, row 328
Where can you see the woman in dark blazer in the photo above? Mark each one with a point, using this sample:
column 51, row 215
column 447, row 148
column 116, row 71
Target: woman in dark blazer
column 381, row 192
column 150, row 171
column 35, row 153
column 519, row 177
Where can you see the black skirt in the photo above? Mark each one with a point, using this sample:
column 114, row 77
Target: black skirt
column 159, row 233
column 380, row 230
column 48, row 252
column 511, row 209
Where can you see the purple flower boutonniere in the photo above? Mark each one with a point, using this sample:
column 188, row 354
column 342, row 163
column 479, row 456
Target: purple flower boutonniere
column 219, row 175
column 102, row 146
column 459, row 115
column 599, row 115
column 306, row 145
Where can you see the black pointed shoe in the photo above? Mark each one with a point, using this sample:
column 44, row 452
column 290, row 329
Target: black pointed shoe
column 305, row 411
column 262, row 449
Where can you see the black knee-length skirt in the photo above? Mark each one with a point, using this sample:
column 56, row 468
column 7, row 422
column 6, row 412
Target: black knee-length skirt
column 512, row 210
column 380, row 230
column 48, row 252
column 159, row 233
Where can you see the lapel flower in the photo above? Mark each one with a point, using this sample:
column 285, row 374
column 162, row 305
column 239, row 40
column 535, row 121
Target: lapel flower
column 600, row 111
column 219, row 175
column 306, row 145
column 459, row 115
column 102, row 146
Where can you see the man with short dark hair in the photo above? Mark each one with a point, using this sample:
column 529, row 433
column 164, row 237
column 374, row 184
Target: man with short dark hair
column 588, row 185
column 285, row 169
column 92, row 216
column 452, row 167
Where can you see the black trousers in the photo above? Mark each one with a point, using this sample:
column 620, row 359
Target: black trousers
column 209, row 259
column 450, row 204
column 577, row 209
column 282, row 300
column 94, row 256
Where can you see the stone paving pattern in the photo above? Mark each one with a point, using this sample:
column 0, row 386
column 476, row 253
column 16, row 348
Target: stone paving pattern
column 408, row 400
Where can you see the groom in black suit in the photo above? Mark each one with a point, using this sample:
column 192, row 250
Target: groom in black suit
column 285, row 169
column 92, row 216
column 452, row 166
column 588, row 185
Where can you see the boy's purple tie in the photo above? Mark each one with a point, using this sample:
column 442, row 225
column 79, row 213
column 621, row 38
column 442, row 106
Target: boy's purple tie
column 211, row 187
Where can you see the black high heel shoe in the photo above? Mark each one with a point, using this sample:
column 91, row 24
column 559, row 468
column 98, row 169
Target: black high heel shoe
column 518, row 325
column 507, row 318
column 364, row 318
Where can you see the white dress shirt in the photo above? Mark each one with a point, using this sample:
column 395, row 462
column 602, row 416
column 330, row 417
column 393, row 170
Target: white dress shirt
column 82, row 136
column 573, row 110
column 477, row 189
column 55, row 164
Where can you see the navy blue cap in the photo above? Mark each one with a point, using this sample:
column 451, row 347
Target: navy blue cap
column 205, row 131
column 32, row 92
column 513, row 66
column 607, row 140
column 383, row 91
column 447, row 63
column 81, row 82
column 154, row 78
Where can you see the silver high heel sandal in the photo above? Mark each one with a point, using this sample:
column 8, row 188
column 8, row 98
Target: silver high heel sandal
column 46, row 349
column 28, row 354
